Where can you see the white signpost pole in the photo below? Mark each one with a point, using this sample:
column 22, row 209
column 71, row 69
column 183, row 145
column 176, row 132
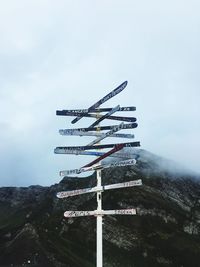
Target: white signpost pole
column 99, row 229
column 99, row 235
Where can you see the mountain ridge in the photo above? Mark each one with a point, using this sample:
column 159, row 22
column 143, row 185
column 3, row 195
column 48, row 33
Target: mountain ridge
column 166, row 231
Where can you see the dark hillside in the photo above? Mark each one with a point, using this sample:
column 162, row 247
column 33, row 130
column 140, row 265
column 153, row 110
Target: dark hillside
column 166, row 231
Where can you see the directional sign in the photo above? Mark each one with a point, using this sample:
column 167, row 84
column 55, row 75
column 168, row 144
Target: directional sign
column 99, row 167
column 70, row 214
column 96, row 129
column 123, row 163
column 115, row 155
column 97, row 110
column 107, row 115
column 97, row 134
column 118, row 212
column 107, row 134
column 98, row 154
column 65, row 149
column 65, row 194
column 110, row 152
column 104, row 99
column 98, row 116
column 122, row 185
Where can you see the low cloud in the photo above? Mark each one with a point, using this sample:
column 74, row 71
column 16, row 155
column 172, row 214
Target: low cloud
column 68, row 55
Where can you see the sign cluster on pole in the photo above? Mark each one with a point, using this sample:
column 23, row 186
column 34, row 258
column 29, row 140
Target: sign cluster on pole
column 116, row 151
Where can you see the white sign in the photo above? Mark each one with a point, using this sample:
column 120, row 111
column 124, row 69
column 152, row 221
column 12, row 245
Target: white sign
column 125, row 184
column 107, row 115
column 64, row 194
column 97, row 134
column 107, row 134
column 104, row 99
column 99, row 167
column 70, row 214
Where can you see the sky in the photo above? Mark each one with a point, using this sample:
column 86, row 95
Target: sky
column 67, row 54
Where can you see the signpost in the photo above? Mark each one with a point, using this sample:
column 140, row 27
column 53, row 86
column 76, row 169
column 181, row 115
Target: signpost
column 96, row 165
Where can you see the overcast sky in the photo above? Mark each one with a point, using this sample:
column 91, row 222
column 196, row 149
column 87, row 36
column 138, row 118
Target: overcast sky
column 68, row 54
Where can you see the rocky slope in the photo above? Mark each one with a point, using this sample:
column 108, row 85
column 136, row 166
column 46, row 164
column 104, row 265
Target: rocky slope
column 165, row 232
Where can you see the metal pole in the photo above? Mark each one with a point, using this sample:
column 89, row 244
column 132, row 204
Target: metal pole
column 99, row 241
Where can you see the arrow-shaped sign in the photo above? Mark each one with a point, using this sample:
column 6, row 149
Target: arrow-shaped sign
column 98, row 116
column 104, row 99
column 97, row 134
column 112, row 151
column 70, row 214
column 65, row 149
column 109, row 133
column 107, row 115
column 98, row 154
column 115, row 155
column 123, row 163
column 96, row 129
column 65, row 194
column 97, row 110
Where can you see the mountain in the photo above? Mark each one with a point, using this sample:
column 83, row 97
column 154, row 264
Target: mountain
column 165, row 232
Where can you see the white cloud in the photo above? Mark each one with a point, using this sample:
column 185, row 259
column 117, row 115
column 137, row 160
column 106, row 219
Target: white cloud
column 67, row 54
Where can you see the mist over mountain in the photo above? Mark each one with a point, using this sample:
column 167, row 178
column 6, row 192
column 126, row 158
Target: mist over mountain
column 155, row 164
column 165, row 231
